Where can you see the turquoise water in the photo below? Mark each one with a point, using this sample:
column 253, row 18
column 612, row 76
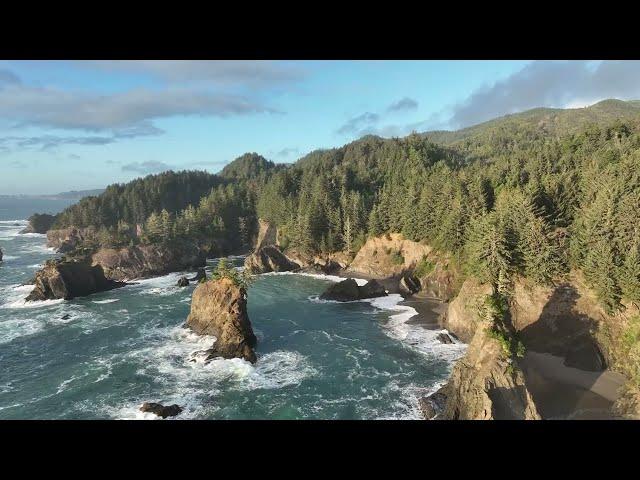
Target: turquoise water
column 102, row 356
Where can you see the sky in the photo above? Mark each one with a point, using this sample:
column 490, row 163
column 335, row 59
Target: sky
column 75, row 125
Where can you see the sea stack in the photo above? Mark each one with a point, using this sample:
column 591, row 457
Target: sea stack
column 219, row 308
column 348, row 291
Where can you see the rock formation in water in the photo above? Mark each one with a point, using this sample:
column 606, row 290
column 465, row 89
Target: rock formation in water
column 348, row 291
column 219, row 308
column 432, row 405
column 39, row 223
column 161, row 410
column 183, row 282
column 142, row 261
column 269, row 259
column 0, row 254
column 68, row 279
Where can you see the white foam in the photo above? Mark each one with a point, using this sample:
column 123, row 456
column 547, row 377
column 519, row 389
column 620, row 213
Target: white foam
column 320, row 276
column 110, row 300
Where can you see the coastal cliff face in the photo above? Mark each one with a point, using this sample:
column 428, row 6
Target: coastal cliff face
column 269, row 259
column 485, row 385
column 142, row 261
column 67, row 239
column 219, row 308
column 573, row 347
column 388, row 256
column 69, row 279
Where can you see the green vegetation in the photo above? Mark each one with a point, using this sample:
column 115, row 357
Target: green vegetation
column 224, row 270
column 534, row 194
column 397, row 258
column 424, row 267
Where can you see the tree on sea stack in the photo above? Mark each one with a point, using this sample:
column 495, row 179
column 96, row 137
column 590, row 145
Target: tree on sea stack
column 219, row 309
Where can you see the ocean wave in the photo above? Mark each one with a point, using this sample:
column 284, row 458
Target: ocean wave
column 110, row 300
column 320, row 276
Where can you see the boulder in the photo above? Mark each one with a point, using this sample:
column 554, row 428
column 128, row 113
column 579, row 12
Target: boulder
column 183, row 282
column 348, row 291
column 372, row 289
column 269, row 259
column 444, row 338
column 219, row 308
column 409, row 285
column 432, row 405
column 201, row 274
column 0, row 254
column 161, row 410
column 68, row 279
column 344, row 291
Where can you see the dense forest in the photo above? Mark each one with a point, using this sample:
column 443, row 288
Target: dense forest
column 535, row 194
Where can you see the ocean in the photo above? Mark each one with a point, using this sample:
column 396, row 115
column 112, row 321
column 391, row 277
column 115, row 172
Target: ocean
column 102, row 356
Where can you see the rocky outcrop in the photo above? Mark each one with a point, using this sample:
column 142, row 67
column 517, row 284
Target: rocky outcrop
column 161, row 410
column 68, row 279
column 39, row 223
column 67, row 239
column 142, row 261
column 269, row 259
column 409, row 285
column 387, row 256
column 219, row 308
column 432, row 405
column 463, row 315
column 348, row 291
column 183, row 282
column 486, row 385
column 0, row 254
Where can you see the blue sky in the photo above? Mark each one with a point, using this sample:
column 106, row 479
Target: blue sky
column 71, row 125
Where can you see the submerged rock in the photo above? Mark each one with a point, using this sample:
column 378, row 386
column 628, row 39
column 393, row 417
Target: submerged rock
column 348, row 291
column 161, row 410
column 0, row 254
column 69, row 279
column 219, row 308
column 183, row 282
column 269, row 259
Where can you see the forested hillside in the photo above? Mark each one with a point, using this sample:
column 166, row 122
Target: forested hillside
column 535, row 194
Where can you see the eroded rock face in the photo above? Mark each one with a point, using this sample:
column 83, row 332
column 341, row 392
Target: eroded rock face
column 161, row 410
column 69, row 279
column 269, row 259
column 409, row 285
column 433, row 405
column 219, row 308
column 348, row 291
column 485, row 386
column 388, row 255
column 142, row 261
